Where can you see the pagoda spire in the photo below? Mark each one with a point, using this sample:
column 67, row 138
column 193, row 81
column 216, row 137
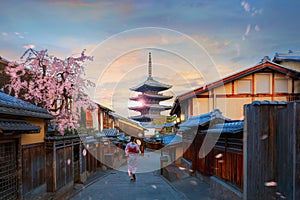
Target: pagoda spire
column 150, row 66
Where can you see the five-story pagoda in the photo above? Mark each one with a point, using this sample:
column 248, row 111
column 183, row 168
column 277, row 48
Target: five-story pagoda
column 149, row 98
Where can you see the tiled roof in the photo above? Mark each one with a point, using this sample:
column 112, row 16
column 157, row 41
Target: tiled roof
column 150, row 107
column 90, row 139
column 19, row 126
column 116, row 116
column 266, row 102
column 151, row 84
column 229, row 127
column 290, row 56
column 13, row 106
column 3, row 59
column 172, row 139
column 158, row 97
column 144, row 118
column 264, row 64
column 110, row 132
column 200, row 120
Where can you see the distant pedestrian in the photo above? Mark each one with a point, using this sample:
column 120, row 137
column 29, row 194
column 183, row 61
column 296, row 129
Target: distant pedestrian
column 132, row 150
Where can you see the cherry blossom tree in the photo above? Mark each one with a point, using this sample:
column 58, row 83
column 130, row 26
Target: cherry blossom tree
column 52, row 83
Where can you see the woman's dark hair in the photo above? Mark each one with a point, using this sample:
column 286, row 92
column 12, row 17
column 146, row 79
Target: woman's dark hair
column 132, row 139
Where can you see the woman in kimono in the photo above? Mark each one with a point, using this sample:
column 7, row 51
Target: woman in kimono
column 132, row 150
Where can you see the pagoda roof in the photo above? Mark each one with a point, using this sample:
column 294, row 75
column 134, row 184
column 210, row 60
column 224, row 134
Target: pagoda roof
column 150, row 107
column 145, row 118
column 151, row 85
column 158, row 97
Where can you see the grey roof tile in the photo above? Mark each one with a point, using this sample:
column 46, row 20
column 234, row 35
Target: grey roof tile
column 228, row 127
column 200, row 120
column 13, row 106
column 12, row 125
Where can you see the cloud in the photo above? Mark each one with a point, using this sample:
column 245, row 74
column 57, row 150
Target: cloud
column 79, row 3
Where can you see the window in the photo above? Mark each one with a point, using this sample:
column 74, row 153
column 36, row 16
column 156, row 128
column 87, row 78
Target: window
column 244, row 87
column 263, row 85
column 281, row 86
column 297, row 86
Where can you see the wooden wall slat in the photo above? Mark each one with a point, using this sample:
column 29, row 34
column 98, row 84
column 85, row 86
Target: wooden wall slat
column 272, row 136
column 33, row 167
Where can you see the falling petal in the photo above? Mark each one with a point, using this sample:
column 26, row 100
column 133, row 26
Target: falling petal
column 220, row 161
column 263, row 137
column 270, row 184
column 248, row 30
column 193, row 182
column 84, row 152
column 246, row 6
column 181, row 168
column 219, row 155
column 256, row 28
column 153, row 186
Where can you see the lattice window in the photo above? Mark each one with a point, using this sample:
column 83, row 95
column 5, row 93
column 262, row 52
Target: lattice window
column 8, row 170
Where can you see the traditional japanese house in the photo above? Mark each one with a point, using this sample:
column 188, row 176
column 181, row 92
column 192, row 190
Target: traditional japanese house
column 290, row 59
column 149, row 99
column 224, row 162
column 193, row 139
column 265, row 81
column 23, row 127
column 98, row 119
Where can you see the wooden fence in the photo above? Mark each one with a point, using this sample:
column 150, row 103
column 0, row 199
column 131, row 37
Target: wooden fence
column 228, row 159
column 271, row 150
column 33, row 166
column 224, row 161
column 60, row 161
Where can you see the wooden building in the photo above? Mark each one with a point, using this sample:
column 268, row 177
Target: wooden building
column 290, row 59
column 224, row 163
column 23, row 127
column 265, row 81
column 98, row 119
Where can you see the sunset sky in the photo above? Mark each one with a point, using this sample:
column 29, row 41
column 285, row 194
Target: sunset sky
column 192, row 42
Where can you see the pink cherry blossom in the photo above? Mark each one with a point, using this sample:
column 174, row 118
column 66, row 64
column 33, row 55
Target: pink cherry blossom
column 52, row 83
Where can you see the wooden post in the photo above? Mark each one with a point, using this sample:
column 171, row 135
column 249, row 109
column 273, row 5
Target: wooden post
column 261, row 138
column 288, row 150
column 271, row 151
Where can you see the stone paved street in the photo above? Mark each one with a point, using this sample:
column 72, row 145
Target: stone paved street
column 116, row 185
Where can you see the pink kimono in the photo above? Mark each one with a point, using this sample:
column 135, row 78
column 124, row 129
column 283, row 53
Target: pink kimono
column 132, row 150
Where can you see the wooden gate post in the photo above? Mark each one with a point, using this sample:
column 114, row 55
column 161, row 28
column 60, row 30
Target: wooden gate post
column 261, row 134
